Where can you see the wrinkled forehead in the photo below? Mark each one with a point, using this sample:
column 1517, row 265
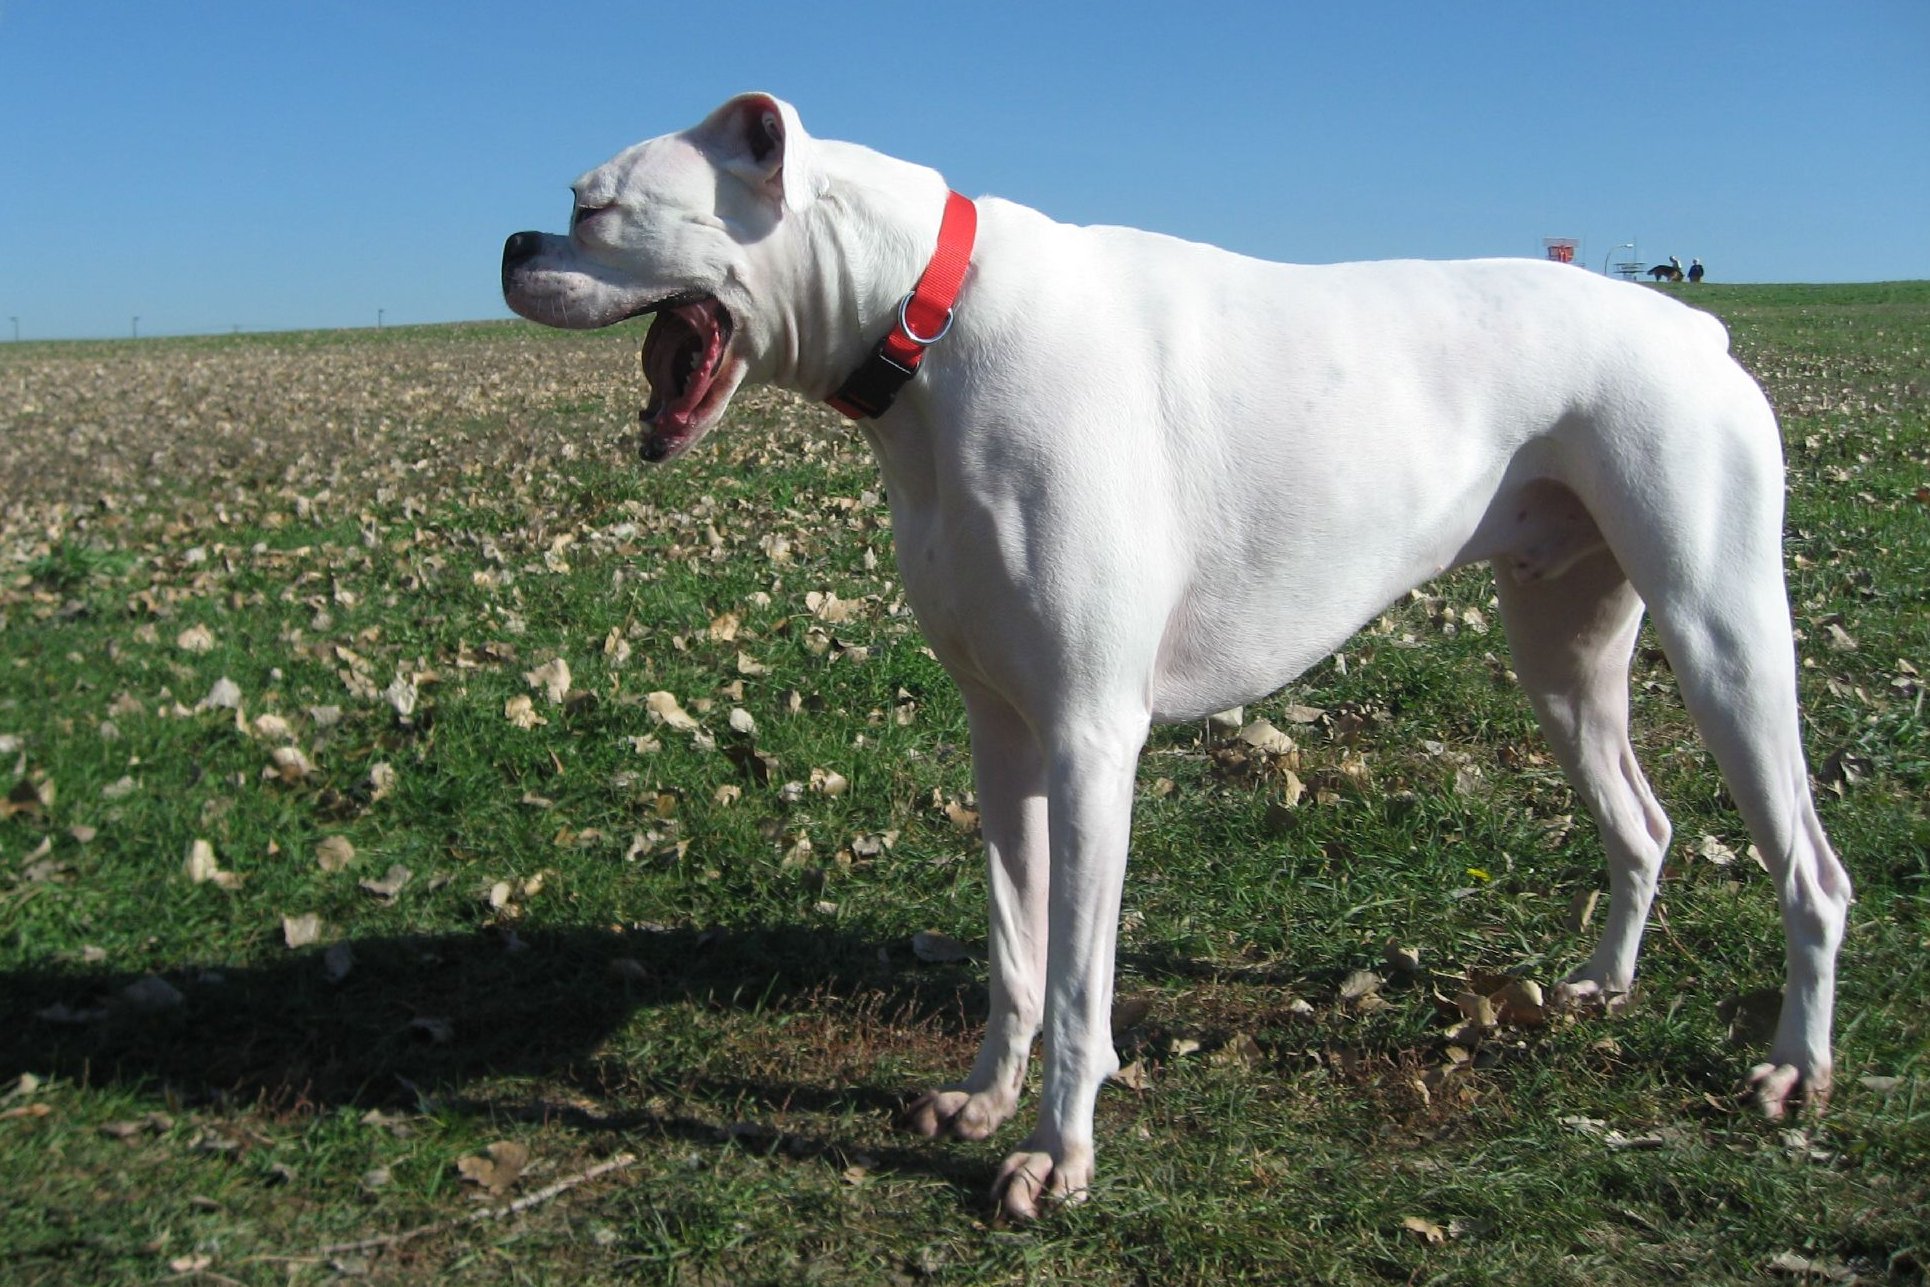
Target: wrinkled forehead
column 669, row 167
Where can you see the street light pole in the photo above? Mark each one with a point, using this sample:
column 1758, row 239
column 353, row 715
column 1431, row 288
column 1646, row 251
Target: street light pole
column 1627, row 245
column 136, row 329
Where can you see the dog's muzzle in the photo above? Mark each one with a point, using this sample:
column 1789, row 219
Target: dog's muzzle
column 519, row 249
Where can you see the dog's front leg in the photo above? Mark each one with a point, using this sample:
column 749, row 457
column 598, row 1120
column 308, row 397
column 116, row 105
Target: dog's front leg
column 1010, row 771
column 1090, row 771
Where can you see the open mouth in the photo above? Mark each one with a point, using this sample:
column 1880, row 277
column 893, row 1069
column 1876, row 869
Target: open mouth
column 683, row 360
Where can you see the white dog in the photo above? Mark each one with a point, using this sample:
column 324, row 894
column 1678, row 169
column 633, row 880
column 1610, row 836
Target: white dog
column 1145, row 480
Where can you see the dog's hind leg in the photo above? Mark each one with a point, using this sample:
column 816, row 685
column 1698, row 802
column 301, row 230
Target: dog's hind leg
column 1571, row 638
column 1695, row 519
column 1730, row 649
column 1010, row 772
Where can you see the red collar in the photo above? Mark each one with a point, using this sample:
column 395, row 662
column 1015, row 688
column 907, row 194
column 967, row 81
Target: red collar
column 923, row 318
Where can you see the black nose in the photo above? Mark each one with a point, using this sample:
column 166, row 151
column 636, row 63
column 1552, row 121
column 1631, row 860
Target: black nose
column 520, row 249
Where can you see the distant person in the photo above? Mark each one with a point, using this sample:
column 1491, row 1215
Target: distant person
column 1695, row 270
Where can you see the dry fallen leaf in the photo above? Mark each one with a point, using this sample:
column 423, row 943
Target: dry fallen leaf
column 626, row 969
column 225, row 695
column 552, row 677
column 938, row 948
column 1426, row 1230
column 391, row 884
column 663, row 708
column 196, row 639
column 1520, row 1004
column 1360, row 983
column 1477, row 1013
column 402, row 694
column 1239, row 1051
column 497, row 1169
column 31, row 796
column 289, row 764
column 1262, row 736
column 437, row 1031
column 337, row 961
column 616, row 647
column 131, row 1130
column 200, row 865
column 300, row 931
column 1810, row 1270
column 272, row 728
column 334, row 853
column 826, row 606
column 1715, row 851
column 1403, row 961
column 521, row 712
column 203, row 868
column 151, row 993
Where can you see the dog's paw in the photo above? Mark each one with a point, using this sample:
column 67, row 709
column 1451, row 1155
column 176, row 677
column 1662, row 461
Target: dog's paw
column 1585, row 995
column 1028, row 1180
column 960, row 1114
column 1778, row 1087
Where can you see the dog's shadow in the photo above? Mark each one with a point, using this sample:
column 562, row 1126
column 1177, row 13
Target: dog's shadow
column 453, row 1018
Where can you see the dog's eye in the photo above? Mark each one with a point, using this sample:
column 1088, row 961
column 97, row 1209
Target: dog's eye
column 580, row 214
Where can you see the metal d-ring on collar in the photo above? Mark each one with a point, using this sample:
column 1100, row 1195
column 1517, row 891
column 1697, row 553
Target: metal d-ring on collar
column 922, row 341
column 868, row 392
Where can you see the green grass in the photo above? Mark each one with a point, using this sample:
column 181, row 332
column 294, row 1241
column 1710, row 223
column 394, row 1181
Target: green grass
column 612, row 949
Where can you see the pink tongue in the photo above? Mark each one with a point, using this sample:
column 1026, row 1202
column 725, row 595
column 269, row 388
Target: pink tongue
column 675, row 390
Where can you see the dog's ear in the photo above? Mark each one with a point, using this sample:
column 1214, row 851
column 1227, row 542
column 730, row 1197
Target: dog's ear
column 759, row 139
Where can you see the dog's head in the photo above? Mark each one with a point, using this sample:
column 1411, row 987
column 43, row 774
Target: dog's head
column 680, row 227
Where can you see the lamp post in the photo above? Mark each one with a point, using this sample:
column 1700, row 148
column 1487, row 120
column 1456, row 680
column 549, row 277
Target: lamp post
column 135, row 329
column 1627, row 245
column 16, row 329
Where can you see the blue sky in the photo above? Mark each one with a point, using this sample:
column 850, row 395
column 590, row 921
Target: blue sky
column 205, row 166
